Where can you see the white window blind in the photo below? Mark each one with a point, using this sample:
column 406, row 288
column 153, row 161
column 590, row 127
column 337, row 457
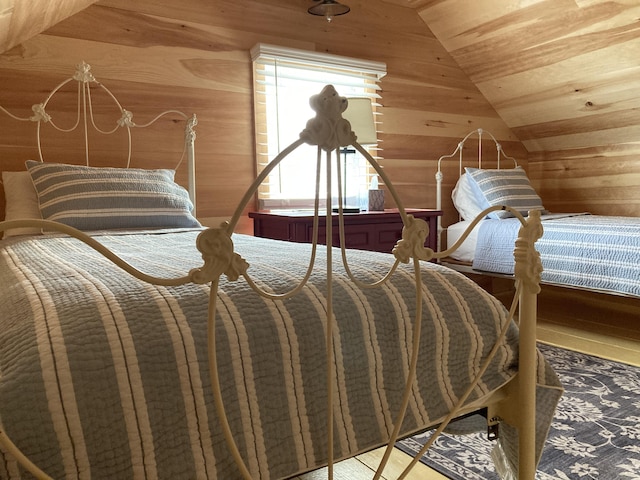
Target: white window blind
column 284, row 80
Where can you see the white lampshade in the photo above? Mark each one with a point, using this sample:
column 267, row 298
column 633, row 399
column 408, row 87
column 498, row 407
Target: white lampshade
column 359, row 113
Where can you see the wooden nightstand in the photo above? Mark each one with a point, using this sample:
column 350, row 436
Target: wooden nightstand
column 375, row 231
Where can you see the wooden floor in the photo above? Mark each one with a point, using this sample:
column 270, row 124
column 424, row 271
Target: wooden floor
column 583, row 325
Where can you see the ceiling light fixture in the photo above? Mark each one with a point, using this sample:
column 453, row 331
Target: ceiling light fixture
column 329, row 9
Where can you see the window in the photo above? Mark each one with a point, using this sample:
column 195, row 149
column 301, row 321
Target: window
column 284, row 79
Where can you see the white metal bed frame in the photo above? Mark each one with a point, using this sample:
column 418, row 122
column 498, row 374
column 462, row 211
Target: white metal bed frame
column 477, row 163
column 459, row 150
column 85, row 118
column 514, row 403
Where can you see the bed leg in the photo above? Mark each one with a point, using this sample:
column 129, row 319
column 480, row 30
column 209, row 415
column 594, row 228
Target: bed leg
column 527, row 387
column 528, row 268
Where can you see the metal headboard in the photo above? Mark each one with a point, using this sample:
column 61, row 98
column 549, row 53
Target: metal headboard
column 85, row 120
column 459, row 150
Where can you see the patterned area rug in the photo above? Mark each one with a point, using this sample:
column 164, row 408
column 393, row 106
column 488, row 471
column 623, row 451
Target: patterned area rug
column 595, row 433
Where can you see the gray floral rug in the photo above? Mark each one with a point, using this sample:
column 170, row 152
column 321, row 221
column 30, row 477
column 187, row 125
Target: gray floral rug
column 595, row 433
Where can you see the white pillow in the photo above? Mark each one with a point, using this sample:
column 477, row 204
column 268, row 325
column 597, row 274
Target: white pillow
column 464, row 199
column 21, row 201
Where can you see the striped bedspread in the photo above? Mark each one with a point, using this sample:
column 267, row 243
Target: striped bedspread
column 103, row 376
column 589, row 251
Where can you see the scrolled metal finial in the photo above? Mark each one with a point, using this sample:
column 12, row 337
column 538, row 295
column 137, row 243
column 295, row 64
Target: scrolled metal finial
column 528, row 265
column 411, row 245
column 328, row 129
column 126, row 120
column 39, row 114
column 83, row 73
column 216, row 247
column 190, row 132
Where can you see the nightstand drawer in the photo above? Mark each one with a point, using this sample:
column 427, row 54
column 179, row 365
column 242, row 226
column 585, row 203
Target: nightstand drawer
column 356, row 236
column 376, row 231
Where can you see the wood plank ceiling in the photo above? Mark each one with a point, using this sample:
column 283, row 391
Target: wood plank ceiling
column 561, row 73
column 21, row 20
column 564, row 75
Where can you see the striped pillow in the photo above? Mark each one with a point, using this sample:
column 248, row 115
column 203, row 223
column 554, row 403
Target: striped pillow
column 510, row 187
column 89, row 198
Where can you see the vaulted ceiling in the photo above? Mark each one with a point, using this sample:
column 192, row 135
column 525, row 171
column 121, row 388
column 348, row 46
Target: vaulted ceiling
column 21, row 20
column 560, row 73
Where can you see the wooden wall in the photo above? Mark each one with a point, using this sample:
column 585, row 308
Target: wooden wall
column 195, row 57
column 578, row 116
column 565, row 77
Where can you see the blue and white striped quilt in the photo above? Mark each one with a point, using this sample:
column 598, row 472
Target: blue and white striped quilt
column 589, row 251
column 103, row 376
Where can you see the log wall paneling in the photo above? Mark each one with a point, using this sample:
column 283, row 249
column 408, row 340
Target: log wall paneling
column 560, row 76
column 563, row 75
column 196, row 58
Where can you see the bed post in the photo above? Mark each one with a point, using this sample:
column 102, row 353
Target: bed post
column 528, row 268
column 190, row 138
column 439, row 177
